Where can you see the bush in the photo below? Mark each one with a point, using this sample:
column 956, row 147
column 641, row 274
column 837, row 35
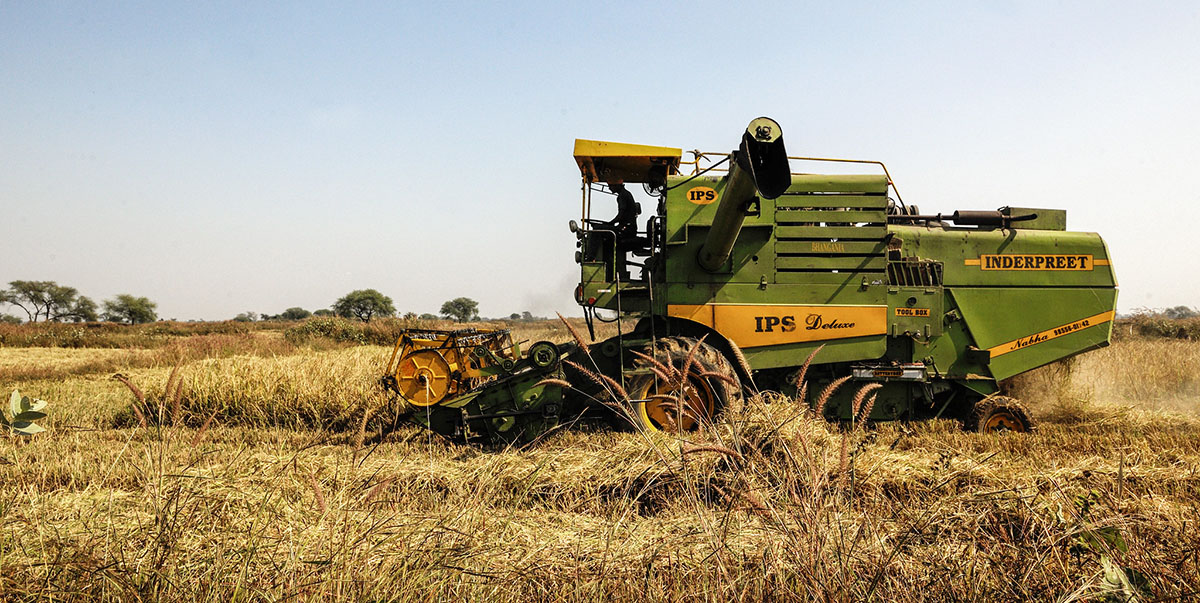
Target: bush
column 333, row 329
column 342, row 330
column 1158, row 324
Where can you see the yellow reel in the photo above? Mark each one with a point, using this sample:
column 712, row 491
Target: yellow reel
column 424, row 378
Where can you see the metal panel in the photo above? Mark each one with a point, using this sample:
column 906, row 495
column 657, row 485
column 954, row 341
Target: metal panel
column 830, row 232
column 847, row 279
column 827, row 247
column 837, row 262
column 806, row 200
column 831, row 215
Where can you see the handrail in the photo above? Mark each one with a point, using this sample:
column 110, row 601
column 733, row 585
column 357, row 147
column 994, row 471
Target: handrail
column 697, row 156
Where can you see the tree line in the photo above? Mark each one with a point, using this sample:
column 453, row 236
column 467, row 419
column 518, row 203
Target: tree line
column 47, row 301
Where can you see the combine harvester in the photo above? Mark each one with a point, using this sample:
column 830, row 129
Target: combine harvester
column 765, row 266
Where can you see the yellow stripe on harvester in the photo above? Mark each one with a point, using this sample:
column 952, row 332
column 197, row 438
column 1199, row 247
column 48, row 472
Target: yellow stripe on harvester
column 756, row 325
column 1047, row 335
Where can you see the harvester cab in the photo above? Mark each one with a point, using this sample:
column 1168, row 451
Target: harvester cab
column 749, row 268
column 601, row 245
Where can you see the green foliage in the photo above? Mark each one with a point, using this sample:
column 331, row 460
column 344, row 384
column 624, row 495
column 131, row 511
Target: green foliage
column 112, row 335
column 1179, row 312
column 331, row 328
column 461, row 309
column 24, row 411
column 130, row 309
column 324, row 312
column 1173, row 323
column 1119, row 582
column 364, row 304
column 246, row 317
column 295, row 313
column 49, row 301
column 9, row 319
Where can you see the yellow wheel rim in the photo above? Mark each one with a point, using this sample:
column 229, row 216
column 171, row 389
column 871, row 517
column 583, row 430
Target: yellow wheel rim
column 423, row 378
column 662, row 410
column 1003, row 421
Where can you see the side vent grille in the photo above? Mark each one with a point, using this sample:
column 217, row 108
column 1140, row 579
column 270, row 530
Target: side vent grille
column 913, row 272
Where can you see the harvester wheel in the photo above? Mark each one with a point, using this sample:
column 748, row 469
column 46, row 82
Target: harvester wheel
column 687, row 404
column 1000, row 413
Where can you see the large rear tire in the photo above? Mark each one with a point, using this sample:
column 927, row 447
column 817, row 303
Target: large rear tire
column 682, row 404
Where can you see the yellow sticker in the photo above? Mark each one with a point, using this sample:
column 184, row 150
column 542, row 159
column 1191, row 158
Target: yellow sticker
column 1035, row 261
column 701, row 195
column 754, row 325
column 1047, row 335
column 912, row 312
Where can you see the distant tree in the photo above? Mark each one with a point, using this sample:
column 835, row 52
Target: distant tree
column 1179, row 312
column 47, row 300
column 364, row 304
column 130, row 309
column 84, row 310
column 295, row 314
column 9, row 319
column 428, row 316
column 514, row 316
column 527, row 315
column 410, row 316
column 461, row 309
column 247, row 317
column 324, row 312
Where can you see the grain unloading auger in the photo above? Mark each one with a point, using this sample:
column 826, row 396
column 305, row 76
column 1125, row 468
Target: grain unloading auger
column 752, row 267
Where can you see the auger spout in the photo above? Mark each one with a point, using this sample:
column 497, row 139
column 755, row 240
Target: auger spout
column 759, row 167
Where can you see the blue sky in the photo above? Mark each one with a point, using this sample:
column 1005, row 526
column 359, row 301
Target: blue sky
column 220, row 158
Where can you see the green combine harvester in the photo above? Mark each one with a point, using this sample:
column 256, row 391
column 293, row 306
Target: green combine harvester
column 745, row 270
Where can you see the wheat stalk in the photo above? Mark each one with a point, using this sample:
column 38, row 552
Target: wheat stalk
column 866, row 411
column 176, row 412
column 575, row 334
column 827, row 393
column 861, row 396
column 666, row 373
column 316, row 488
column 719, row 377
column 203, row 428
column 137, row 393
column 601, row 379
column 377, row 488
column 803, row 374
column 691, row 358
column 741, row 360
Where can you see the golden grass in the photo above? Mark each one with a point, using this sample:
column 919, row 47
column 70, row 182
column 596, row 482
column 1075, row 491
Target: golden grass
column 760, row 507
column 1148, row 373
column 18, row 364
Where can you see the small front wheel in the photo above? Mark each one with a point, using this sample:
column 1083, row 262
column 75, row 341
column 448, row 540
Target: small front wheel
column 1000, row 413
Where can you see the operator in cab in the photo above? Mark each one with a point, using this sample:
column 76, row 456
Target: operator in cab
column 624, row 224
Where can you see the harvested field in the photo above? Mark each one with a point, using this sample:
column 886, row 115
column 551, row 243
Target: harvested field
column 266, row 483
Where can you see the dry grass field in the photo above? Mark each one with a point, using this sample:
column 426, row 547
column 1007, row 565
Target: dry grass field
column 257, row 472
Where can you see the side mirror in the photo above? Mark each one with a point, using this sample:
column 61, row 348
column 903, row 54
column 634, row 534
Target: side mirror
column 574, row 226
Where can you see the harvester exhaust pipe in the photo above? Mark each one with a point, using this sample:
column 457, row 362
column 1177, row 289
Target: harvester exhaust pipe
column 759, row 167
